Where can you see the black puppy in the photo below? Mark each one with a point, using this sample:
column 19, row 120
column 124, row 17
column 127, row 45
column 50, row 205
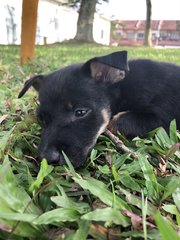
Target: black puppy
column 78, row 102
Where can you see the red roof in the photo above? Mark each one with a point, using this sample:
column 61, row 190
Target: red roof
column 170, row 25
column 156, row 24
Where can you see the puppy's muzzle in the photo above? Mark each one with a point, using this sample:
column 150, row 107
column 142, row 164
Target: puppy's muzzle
column 53, row 157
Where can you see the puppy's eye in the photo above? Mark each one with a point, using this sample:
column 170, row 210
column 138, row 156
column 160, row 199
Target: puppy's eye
column 81, row 112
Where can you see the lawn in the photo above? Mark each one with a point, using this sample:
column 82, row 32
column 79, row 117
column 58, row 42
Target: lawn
column 117, row 195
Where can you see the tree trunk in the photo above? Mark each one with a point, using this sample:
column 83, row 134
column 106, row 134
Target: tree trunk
column 28, row 30
column 147, row 39
column 85, row 21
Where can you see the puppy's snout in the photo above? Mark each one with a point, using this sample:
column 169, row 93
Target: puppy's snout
column 52, row 155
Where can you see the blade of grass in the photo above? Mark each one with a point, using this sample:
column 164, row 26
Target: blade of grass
column 167, row 232
column 144, row 214
column 71, row 168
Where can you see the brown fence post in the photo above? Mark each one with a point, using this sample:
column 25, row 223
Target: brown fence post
column 28, row 30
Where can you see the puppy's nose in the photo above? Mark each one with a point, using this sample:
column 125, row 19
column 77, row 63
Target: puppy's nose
column 52, row 156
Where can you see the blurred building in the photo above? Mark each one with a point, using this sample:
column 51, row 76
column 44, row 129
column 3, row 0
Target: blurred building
column 163, row 33
column 56, row 23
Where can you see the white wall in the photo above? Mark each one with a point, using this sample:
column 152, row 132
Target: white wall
column 55, row 23
column 101, row 30
column 10, row 21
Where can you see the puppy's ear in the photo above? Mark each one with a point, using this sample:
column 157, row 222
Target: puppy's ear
column 110, row 68
column 34, row 81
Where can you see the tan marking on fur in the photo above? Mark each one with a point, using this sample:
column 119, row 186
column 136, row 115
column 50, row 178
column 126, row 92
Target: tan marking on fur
column 106, row 117
column 112, row 126
column 118, row 115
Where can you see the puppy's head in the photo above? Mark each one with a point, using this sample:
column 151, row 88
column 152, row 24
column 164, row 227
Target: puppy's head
column 75, row 106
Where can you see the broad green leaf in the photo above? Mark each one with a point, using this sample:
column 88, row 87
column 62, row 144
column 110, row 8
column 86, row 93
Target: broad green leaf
column 93, row 154
column 109, row 215
column 6, row 173
column 104, row 169
column 173, row 132
column 135, row 234
column 57, row 215
column 16, row 204
column 176, row 197
column 153, row 187
column 12, row 195
column 137, row 201
column 23, row 217
column 162, row 138
column 131, row 168
column 175, row 167
column 44, row 171
column 83, row 230
column 146, row 168
column 173, row 149
column 170, row 186
column 128, row 181
column 120, row 160
column 100, row 190
column 67, row 202
column 21, row 229
column 170, row 208
column 167, row 232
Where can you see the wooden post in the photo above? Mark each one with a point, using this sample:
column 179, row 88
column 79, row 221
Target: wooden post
column 28, row 30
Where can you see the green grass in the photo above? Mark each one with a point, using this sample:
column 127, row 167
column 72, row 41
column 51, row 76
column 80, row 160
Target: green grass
column 115, row 196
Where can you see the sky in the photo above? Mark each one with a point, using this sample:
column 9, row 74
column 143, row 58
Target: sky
column 136, row 9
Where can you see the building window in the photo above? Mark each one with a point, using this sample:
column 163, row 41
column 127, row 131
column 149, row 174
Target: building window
column 163, row 36
column 174, row 36
column 140, row 36
column 102, row 34
column 130, row 35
